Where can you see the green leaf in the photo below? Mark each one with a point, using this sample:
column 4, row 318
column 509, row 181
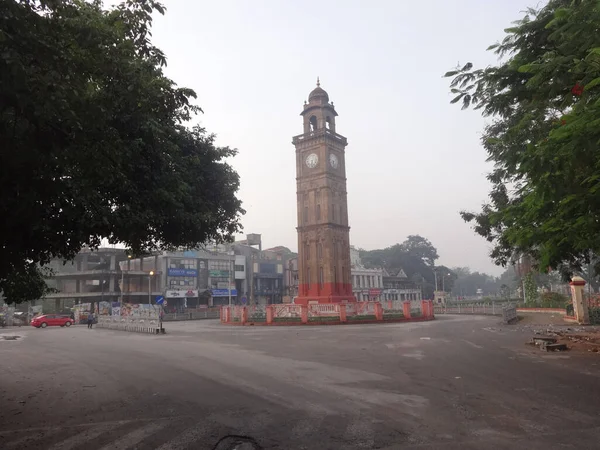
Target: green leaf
column 450, row 74
column 457, row 98
column 592, row 84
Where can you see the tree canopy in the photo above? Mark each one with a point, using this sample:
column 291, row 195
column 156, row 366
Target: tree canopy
column 543, row 99
column 416, row 256
column 94, row 141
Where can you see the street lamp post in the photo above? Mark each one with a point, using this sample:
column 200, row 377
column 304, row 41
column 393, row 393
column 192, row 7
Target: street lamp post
column 444, row 281
column 149, row 287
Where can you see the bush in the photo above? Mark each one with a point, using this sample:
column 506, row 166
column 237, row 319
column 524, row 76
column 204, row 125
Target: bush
column 571, row 310
column 553, row 300
column 594, row 315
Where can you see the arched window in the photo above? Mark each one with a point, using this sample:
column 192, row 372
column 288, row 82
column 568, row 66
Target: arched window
column 313, row 123
column 328, row 123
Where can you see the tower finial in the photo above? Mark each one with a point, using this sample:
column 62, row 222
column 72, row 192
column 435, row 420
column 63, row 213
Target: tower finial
column 318, row 82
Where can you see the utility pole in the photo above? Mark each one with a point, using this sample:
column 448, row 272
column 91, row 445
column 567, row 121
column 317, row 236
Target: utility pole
column 252, row 278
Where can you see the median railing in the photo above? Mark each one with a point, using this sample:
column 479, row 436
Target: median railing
column 149, row 326
column 327, row 313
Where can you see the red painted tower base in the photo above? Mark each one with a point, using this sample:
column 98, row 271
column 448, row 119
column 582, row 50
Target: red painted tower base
column 328, row 293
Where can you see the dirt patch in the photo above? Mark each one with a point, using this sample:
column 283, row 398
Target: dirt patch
column 537, row 318
column 576, row 340
column 580, row 341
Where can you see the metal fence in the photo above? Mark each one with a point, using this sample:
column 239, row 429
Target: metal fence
column 192, row 315
column 508, row 311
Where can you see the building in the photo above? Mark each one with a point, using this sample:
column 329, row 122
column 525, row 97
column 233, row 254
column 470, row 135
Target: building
column 367, row 284
column 397, row 286
column 195, row 278
column 379, row 284
column 291, row 280
column 92, row 276
column 323, row 231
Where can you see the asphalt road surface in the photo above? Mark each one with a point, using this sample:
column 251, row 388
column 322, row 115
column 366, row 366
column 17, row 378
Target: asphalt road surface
column 454, row 383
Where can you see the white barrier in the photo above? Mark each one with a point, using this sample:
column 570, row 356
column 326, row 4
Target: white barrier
column 131, row 325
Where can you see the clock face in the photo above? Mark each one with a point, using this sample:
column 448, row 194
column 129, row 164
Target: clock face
column 333, row 160
column 312, row 160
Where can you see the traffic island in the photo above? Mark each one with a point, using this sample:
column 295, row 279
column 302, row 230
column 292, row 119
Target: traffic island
column 328, row 313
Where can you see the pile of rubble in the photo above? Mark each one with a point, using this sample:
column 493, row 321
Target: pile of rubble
column 580, row 339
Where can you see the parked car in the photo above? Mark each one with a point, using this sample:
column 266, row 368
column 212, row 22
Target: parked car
column 49, row 320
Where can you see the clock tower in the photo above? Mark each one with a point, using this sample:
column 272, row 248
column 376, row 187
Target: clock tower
column 323, row 231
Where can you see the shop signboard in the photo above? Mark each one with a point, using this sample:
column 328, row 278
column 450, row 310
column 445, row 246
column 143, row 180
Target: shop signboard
column 223, row 292
column 182, row 294
column 218, row 273
column 182, row 272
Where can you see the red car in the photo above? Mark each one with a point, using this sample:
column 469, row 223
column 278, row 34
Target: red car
column 49, row 320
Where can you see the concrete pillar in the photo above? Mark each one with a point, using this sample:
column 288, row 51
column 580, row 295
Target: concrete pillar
column 378, row 311
column 343, row 312
column 580, row 304
column 84, row 262
column 406, row 309
column 269, row 314
column 304, row 313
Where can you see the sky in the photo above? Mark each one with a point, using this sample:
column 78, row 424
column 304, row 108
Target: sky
column 413, row 160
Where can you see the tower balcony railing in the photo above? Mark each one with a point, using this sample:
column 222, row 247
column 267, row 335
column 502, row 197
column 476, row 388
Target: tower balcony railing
column 319, row 132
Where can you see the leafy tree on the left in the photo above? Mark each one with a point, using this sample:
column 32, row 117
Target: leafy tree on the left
column 93, row 142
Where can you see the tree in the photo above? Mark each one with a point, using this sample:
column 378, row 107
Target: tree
column 422, row 248
column 416, row 256
column 544, row 101
column 467, row 283
column 94, row 142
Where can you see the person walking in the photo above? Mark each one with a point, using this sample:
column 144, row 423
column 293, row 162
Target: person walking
column 90, row 320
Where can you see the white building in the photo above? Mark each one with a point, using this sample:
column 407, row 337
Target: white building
column 367, row 284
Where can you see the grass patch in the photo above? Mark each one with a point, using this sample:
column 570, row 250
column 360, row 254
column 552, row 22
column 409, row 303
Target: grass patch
column 287, row 319
column 393, row 315
column 324, row 319
column 367, row 317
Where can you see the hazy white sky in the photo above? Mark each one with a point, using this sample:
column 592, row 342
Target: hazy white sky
column 413, row 160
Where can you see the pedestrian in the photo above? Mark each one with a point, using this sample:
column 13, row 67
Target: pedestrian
column 91, row 320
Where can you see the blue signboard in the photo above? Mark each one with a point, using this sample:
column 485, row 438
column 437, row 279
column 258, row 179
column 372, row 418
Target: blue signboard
column 244, row 300
column 223, row 292
column 182, row 273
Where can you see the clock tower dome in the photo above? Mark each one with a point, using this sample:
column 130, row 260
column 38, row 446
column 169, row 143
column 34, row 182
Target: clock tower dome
column 323, row 231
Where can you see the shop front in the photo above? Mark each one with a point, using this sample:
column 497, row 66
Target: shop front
column 180, row 300
column 220, row 297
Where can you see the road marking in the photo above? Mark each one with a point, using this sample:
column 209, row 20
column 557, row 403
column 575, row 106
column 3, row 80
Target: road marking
column 130, row 439
column 183, row 440
column 82, row 437
column 27, row 440
column 472, row 344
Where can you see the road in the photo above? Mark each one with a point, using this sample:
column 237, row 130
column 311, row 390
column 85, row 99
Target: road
column 454, row 383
